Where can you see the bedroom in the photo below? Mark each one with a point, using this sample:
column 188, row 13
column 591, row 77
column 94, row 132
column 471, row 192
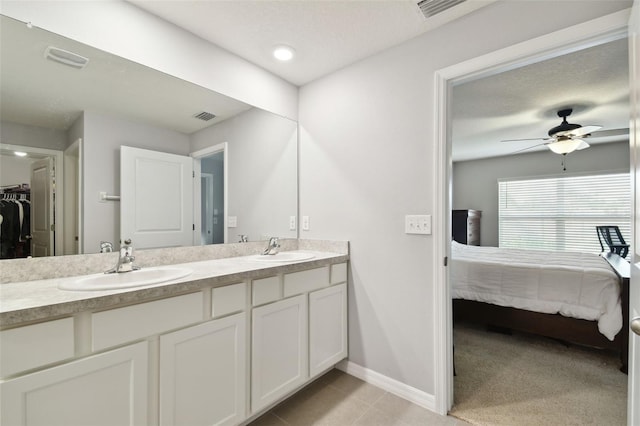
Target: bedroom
column 523, row 104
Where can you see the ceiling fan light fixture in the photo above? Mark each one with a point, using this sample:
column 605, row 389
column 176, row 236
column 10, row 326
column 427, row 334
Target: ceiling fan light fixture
column 565, row 146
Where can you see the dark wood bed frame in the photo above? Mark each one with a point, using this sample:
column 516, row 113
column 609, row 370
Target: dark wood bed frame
column 555, row 326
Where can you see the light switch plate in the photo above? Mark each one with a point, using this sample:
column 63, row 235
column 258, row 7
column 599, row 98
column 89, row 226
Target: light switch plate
column 417, row 224
column 232, row 221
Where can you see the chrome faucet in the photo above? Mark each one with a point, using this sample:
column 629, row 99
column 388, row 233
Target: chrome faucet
column 125, row 260
column 243, row 238
column 106, row 247
column 272, row 246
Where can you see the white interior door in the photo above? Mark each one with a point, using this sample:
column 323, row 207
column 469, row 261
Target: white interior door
column 633, row 411
column 42, row 218
column 156, row 198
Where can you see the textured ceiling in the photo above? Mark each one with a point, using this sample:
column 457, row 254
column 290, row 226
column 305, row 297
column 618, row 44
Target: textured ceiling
column 523, row 103
column 520, row 103
column 327, row 35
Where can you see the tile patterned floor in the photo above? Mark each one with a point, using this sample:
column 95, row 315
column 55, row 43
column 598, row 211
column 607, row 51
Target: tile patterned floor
column 338, row 399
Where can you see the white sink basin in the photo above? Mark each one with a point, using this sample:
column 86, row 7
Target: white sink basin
column 141, row 277
column 285, row 256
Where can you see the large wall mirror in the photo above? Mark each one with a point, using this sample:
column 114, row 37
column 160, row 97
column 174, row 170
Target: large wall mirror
column 70, row 119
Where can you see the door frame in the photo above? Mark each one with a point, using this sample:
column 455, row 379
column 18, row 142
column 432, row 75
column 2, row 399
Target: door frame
column 197, row 169
column 598, row 31
column 208, row 179
column 58, row 164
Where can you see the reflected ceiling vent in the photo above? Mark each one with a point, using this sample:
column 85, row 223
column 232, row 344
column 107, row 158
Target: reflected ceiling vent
column 431, row 8
column 205, row 116
column 65, row 57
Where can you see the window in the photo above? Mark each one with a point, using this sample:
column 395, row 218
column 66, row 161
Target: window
column 561, row 213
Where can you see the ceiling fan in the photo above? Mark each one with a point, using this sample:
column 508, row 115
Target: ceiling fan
column 564, row 138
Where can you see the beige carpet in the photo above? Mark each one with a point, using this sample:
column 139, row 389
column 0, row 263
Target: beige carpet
column 525, row 380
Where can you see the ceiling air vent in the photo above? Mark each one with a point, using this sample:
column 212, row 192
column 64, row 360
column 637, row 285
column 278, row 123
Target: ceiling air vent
column 205, row 116
column 65, row 57
column 431, row 8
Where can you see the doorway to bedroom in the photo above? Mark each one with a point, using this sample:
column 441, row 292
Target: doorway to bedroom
column 503, row 376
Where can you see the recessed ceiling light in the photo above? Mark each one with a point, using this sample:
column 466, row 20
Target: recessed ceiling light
column 20, row 153
column 283, row 53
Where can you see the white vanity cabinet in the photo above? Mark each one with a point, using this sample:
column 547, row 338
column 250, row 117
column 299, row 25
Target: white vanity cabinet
column 300, row 336
column 327, row 328
column 219, row 354
column 278, row 350
column 107, row 389
column 203, row 373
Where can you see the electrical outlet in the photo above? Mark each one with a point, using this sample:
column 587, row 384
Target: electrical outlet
column 292, row 223
column 232, row 221
column 305, row 223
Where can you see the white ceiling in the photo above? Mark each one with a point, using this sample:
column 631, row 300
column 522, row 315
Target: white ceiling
column 523, row 103
column 327, row 36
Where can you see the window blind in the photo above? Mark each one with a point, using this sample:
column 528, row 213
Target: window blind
column 561, row 213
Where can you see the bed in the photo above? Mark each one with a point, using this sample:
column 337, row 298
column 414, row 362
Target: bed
column 574, row 297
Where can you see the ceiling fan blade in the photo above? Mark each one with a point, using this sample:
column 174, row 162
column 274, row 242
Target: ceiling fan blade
column 531, row 139
column 528, row 148
column 580, row 131
column 610, row 133
column 582, row 145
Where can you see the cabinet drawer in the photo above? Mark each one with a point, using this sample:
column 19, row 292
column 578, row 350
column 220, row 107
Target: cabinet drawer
column 35, row 345
column 338, row 273
column 266, row 290
column 116, row 326
column 228, row 299
column 304, row 281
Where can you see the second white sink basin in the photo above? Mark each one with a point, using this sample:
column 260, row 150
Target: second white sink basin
column 141, row 277
column 285, row 256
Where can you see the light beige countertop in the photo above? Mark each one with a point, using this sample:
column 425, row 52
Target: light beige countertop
column 33, row 301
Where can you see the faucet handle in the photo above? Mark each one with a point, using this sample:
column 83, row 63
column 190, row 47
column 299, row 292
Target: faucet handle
column 127, row 242
column 106, row 247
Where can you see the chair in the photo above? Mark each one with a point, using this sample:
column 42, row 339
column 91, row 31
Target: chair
column 611, row 237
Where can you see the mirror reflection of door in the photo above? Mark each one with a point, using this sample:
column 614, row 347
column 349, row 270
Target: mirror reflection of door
column 156, row 198
column 212, row 198
column 212, row 167
column 42, row 213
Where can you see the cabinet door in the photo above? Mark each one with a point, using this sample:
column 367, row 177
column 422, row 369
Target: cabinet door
column 106, row 389
column 279, row 350
column 203, row 373
column 327, row 328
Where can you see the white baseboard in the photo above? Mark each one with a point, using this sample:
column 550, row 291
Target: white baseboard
column 416, row 396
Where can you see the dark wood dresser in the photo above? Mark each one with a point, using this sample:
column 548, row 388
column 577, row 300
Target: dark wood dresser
column 465, row 225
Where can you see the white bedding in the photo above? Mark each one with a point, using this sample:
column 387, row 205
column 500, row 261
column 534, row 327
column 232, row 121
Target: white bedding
column 577, row 285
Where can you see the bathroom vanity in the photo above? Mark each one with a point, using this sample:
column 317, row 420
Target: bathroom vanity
column 219, row 346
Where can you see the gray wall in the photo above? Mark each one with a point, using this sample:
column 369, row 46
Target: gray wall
column 103, row 136
column 15, row 170
column 367, row 152
column 475, row 183
column 33, row 136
